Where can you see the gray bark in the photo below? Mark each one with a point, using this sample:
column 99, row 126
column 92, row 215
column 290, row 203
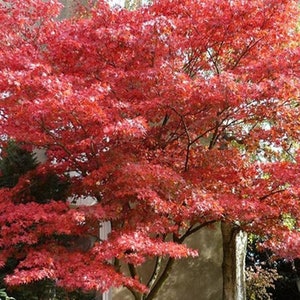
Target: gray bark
column 234, row 253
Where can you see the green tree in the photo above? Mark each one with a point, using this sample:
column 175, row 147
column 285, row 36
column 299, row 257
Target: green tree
column 15, row 162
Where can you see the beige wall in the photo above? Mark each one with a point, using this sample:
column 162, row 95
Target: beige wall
column 193, row 278
column 70, row 7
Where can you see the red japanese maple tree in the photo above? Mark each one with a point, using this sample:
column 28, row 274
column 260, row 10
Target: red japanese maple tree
column 171, row 117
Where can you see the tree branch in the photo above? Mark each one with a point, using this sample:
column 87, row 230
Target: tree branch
column 193, row 229
column 187, row 156
column 155, row 272
column 161, row 280
column 271, row 194
column 133, row 274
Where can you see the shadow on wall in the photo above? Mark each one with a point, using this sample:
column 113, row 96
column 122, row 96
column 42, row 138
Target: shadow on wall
column 192, row 278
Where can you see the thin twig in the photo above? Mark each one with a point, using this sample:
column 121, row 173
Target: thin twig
column 193, row 229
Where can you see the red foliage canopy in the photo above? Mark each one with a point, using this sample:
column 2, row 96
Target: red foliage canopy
column 176, row 114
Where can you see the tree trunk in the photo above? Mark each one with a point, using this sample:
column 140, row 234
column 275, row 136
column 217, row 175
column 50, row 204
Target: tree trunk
column 234, row 253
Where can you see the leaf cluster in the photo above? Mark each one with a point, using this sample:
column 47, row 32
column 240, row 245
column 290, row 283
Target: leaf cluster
column 167, row 118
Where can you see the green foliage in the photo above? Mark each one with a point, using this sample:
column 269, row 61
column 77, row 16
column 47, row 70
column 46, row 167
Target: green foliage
column 42, row 187
column 289, row 221
column 48, row 187
column 47, row 290
column 261, row 272
column 259, row 282
column 132, row 4
column 14, row 163
column 267, row 276
column 4, row 296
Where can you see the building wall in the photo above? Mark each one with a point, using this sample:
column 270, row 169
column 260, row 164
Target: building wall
column 69, row 7
column 192, row 278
